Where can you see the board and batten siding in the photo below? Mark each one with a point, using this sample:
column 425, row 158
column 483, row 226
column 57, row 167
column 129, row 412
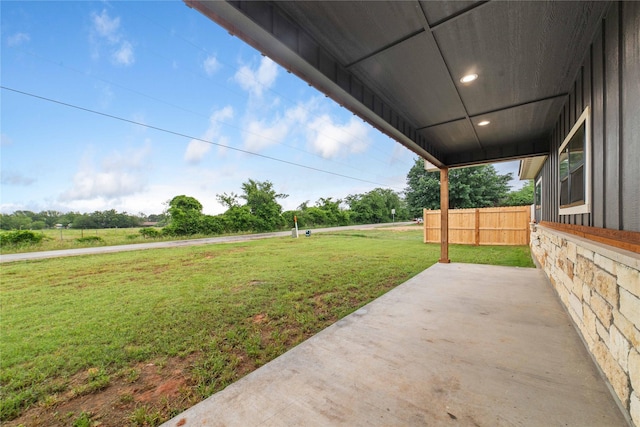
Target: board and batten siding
column 609, row 83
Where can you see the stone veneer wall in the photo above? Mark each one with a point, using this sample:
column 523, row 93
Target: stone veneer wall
column 600, row 287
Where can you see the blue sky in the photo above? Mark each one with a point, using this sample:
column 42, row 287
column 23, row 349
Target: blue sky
column 164, row 65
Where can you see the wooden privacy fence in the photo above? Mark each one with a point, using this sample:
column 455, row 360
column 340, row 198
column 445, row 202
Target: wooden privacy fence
column 486, row 226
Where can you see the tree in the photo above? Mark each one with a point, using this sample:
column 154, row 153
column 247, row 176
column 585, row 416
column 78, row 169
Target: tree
column 376, row 206
column 15, row 221
column 22, row 220
column 314, row 217
column 471, row 187
column 521, row 197
column 239, row 218
column 262, row 202
column 186, row 216
column 86, row 221
column 334, row 215
column 423, row 189
column 101, row 219
column 213, row 224
column 38, row 225
column 51, row 218
column 228, row 200
column 326, row 212
column 159, row 218
column 68, row 218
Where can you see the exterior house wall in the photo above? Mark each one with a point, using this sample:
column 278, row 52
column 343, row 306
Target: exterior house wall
column 609, row 83
column 600, row 287
column 599, row 284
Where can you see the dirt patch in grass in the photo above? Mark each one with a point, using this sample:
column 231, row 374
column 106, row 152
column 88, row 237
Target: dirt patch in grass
column 259, row 318
column 145, row 394
column 405, row 228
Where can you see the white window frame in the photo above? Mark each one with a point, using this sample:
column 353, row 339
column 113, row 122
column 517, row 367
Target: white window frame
column 585, row 118
column 535, row 206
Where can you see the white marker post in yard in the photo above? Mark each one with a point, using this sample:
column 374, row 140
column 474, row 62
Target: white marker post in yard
column 393, row 215
column 295, row 221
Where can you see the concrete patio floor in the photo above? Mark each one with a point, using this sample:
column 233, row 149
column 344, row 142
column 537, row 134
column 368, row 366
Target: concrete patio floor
column 459, row 344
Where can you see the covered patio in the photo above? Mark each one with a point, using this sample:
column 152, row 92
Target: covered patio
column 458, row 344
column 463, row 83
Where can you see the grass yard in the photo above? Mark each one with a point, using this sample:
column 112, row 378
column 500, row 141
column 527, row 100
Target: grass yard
column 134, row 338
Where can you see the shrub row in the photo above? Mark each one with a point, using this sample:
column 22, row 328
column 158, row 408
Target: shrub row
column 20, row 238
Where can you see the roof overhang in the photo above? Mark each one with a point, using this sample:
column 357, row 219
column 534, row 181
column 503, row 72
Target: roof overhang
column 530, row 167
column 398, row 64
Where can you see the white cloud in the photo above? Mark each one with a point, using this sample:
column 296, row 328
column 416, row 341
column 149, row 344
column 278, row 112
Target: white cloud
column 105, row 26
column 306, row 121
column 261, row 134
column 197, row 149
column 211, row 65
column 133, row 159
column 15, row 178
column 107, row 33
column 17, row 39
column 124, row 54
column 265, row 132
column 331, row 139
column 258, row 80
column 8, row 208
column 150, row 201
column 89, row 184
column 119, row 175
column 300, row 113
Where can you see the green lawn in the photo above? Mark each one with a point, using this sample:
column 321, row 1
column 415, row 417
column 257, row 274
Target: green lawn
column 68, row 239
column 229, row 308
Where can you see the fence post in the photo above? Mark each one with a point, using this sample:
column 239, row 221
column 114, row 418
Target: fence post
column 477, row 231
column 527, row 233
column 424, row 225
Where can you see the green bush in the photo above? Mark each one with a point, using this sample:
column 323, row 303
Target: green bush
column 151, row 233
column 213, row 224
column 91, row 240
column 20, row 238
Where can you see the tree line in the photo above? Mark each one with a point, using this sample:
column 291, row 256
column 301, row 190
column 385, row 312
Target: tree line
column 28, row 220
column 257, row 207
column 470, row 187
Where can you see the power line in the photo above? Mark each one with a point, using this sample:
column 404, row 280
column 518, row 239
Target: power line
column 244, row 131
column 182, row 135
column 268, row 88
column 195, row 113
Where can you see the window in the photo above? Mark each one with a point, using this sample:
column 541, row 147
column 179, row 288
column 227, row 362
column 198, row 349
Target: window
column 574, row 168
column 537, row 196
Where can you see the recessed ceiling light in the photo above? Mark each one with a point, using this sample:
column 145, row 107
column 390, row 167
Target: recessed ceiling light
column 484, row 123
column 468, row 78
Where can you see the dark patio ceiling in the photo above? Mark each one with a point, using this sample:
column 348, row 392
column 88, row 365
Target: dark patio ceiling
column 398, row 64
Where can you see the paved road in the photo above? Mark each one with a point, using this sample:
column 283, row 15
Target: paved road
column 175, row 243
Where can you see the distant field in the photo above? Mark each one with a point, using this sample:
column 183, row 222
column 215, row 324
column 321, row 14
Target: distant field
column 66, row 239
column 134, row 338
column 106, row 233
